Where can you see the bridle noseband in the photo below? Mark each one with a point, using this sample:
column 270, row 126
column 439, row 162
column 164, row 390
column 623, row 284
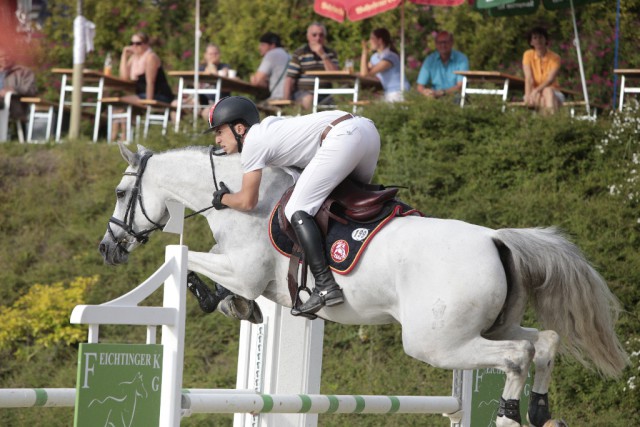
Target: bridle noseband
column 142, row 237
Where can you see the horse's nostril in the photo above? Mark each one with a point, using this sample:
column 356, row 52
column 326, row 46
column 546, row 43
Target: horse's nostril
column 102, row 248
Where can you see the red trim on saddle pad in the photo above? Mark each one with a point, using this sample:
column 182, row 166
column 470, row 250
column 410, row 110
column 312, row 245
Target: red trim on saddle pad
column 345, row 243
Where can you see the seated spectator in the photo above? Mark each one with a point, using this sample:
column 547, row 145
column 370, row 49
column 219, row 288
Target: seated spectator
column 140, row 63
column 273, row 68
column 18, row 80
column 312, row 56
column 541, row 67
column 211, row 65
column 384, row 64
column 438, row 68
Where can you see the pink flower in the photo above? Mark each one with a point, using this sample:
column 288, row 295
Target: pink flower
column 143, row 24
column 173, row 6
column 187, row 54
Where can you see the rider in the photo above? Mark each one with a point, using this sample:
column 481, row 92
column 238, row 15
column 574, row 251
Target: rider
column 318, row 150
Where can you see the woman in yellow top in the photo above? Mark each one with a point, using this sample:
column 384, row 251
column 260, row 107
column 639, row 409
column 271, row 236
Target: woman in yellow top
column 541, row 67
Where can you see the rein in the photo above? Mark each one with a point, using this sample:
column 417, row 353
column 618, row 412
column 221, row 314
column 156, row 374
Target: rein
column 136, row 195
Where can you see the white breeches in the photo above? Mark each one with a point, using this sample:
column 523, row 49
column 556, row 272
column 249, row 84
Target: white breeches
column 351, row 148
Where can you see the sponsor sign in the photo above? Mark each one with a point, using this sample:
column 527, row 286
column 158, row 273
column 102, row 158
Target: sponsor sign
column 118, row 385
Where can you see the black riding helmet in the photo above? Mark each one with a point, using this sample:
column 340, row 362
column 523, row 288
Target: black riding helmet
column 231, row 110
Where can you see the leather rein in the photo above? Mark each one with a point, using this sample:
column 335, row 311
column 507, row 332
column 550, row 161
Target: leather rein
column 136, row 199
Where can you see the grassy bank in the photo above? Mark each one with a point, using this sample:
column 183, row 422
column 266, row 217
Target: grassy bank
column 476, row 164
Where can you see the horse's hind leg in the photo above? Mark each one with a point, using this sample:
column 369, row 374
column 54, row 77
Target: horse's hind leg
column 546, row 345
column 511, row 357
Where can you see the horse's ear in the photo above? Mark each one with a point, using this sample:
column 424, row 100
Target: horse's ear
column 142, row 150
column 131, row 157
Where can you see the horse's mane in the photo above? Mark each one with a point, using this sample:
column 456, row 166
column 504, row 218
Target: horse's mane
column 202, row 148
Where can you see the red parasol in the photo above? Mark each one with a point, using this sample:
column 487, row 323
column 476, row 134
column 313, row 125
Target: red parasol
column 356, row 10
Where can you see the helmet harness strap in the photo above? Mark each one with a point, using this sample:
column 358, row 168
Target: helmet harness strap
column 239, row 138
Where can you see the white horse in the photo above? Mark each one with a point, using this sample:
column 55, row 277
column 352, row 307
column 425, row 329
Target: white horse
column 459, row 290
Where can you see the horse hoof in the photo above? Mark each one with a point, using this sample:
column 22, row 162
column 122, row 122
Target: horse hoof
column 256, row 314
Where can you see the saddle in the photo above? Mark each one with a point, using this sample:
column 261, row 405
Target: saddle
column 350, row 201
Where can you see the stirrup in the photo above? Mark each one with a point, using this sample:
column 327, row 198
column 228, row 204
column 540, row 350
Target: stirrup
column 318, row 299
column 295, row 310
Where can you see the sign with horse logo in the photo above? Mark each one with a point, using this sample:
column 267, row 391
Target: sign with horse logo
column 118, row 385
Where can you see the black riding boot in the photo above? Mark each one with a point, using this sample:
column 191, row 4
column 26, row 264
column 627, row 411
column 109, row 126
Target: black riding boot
column 326, row 292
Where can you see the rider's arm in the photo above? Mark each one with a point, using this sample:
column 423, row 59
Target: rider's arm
column 247, row 198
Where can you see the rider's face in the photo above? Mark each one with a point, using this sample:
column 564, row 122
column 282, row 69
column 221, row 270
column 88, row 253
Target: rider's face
column 226, row 139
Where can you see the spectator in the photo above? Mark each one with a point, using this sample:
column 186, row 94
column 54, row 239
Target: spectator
column 272, row 69
column 211, row 65
column 541, row 67
column 438, row 69
column 18, row 80
column 140, row 63
column 384, row 64
column 314, row 55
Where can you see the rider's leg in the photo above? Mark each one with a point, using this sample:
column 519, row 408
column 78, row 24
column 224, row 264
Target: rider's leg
column 326, row 292
column 351, row 148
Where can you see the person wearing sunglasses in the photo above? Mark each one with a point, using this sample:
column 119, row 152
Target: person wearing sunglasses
column 140, row 63
column 315, row 55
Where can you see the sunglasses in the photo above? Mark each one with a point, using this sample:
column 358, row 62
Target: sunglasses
column 136, row 43
column 317, row 34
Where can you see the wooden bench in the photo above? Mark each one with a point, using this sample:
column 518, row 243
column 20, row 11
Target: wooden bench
column 39, row 108
column 158, row 112
column 570, row 102
column 128, row 109
column 155, row 112
column 274, row 106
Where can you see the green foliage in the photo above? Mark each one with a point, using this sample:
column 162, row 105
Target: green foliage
column 40, row 318
column 491, row 43
column 512, row 169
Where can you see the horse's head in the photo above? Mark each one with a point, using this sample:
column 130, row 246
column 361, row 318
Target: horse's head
column 135, row 216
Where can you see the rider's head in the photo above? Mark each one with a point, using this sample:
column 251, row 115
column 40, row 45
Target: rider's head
column 234, row 114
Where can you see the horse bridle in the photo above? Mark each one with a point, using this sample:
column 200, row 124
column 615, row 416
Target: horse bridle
column 142, row 237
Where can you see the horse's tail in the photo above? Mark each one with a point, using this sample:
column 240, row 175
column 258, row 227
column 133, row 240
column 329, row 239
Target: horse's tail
column 568, row 294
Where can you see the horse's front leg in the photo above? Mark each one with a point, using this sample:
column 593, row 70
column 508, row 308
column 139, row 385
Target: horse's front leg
column 220, row 269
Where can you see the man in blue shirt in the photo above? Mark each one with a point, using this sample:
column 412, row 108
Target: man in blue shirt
column 438, row 68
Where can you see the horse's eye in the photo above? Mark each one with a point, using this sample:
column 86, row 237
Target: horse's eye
column 120, row 194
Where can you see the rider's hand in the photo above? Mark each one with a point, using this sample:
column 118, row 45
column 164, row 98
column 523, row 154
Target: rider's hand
column 217, row 196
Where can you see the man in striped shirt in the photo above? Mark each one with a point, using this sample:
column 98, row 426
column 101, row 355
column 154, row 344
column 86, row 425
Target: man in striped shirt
column 312, row 56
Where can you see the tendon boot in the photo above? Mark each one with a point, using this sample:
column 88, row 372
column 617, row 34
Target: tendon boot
column 207, row 300
column 225, row 301
column 326, row 292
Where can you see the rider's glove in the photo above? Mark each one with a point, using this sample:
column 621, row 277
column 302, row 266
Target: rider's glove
column 217, row 196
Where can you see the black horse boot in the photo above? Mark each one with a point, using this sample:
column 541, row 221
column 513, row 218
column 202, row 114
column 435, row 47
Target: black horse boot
column 326, row 292
column 225, row 301
column 207, row 300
